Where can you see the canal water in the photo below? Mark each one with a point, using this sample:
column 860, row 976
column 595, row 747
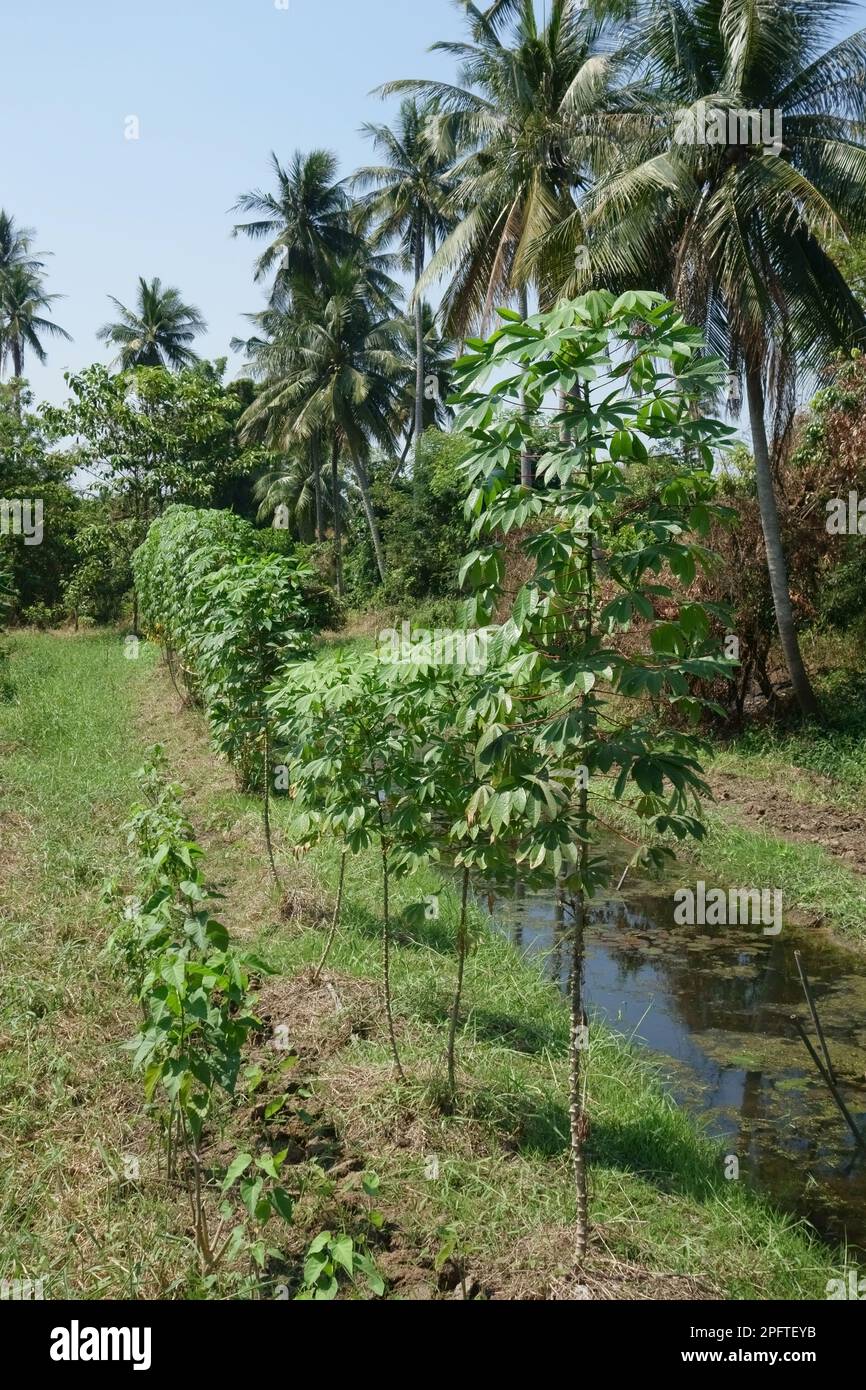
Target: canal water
column 715, row 1005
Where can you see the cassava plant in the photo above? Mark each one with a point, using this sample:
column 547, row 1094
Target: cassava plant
column 251, row 626
column 599, row 640
column 194, row 991
column 351, row 764
column 229, row 618
column 481, row 815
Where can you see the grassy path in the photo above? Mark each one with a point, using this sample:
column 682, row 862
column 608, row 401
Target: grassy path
column 493, row 1180
column 71, row 1120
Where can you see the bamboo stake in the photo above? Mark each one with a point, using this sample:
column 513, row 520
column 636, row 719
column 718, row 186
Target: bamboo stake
column 810, row 999
column 834, row 1090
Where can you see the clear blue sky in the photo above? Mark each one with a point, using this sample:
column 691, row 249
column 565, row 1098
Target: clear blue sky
column 216, row 84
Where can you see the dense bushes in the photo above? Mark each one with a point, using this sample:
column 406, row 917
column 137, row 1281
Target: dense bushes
column 424, row 532
column 228, row 616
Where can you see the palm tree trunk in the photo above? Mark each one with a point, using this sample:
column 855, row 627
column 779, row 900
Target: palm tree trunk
column 18, row 373
column 366, row 498
column 317, row 490
column 335, row 504
column 527, row 473
column 419, row 335
column 776, row 565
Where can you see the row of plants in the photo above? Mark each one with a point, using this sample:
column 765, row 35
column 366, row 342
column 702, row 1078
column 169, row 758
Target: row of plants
column 198, row 1019
column 228, row 617
column 503, row 770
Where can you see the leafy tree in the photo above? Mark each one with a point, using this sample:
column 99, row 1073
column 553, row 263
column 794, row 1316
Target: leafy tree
column 103, row 574
column 737, row 232
column 148, row 436
column 24, row 457
column 586, row 696
column 157, row 331
column 30, row 470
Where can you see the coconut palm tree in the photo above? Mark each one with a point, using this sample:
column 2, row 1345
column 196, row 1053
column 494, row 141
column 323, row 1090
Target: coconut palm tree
column 273, row 353
column 438, row 366
column 23, row 301
column 306, row 221
column 736, row 221
column 157, row 332
column 406, row 197
column 335, row 369
column 522, row 101
column 23, row 308
column 294, row 482
column 16, row 245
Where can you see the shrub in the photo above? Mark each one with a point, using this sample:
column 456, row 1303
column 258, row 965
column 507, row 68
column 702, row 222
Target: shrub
column 228, row 617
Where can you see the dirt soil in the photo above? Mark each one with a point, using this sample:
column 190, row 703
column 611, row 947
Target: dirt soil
column 768, row 806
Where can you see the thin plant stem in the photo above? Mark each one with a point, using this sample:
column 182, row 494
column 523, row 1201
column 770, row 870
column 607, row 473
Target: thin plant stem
column 334, row 920
column 455, row 1006
column 386, row 953
column 266, row 807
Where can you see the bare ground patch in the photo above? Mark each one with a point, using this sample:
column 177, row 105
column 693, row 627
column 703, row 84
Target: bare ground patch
column 768, row 806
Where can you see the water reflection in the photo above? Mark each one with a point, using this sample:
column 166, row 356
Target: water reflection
column 716, row 1004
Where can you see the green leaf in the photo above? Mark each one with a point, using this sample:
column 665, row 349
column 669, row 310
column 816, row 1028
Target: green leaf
column 236, row 1169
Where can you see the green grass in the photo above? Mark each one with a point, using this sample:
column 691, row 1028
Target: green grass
column 836, row 754
column 71, row 1109
column 819, row 886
